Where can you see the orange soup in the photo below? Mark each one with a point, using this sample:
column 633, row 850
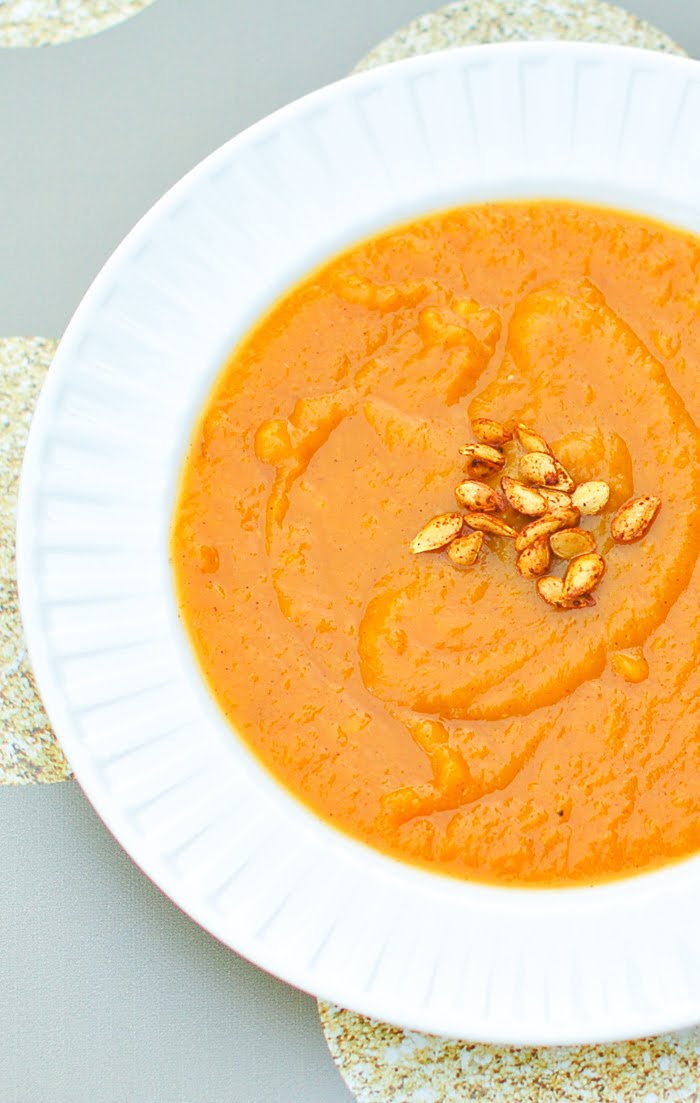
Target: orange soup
column 471, row 707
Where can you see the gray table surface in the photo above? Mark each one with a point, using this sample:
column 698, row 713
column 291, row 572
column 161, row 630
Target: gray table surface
column 108, row 993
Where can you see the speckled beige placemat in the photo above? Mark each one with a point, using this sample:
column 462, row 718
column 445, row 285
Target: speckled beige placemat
column 383, row 1064
column 28, row 749
column 474, row 22
column 50, row 22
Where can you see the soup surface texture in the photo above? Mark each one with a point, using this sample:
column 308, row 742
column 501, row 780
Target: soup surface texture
column 451, row 718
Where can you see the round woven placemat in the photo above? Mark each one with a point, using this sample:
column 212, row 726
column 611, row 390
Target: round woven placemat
column 476, row 22
column 28, row 749
column 50, row 22
column 383, row 1064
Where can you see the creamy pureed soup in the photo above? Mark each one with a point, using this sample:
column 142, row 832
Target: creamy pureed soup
column 445, row 711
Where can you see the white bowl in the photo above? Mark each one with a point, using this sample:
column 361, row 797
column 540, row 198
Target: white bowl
column 149, row 747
